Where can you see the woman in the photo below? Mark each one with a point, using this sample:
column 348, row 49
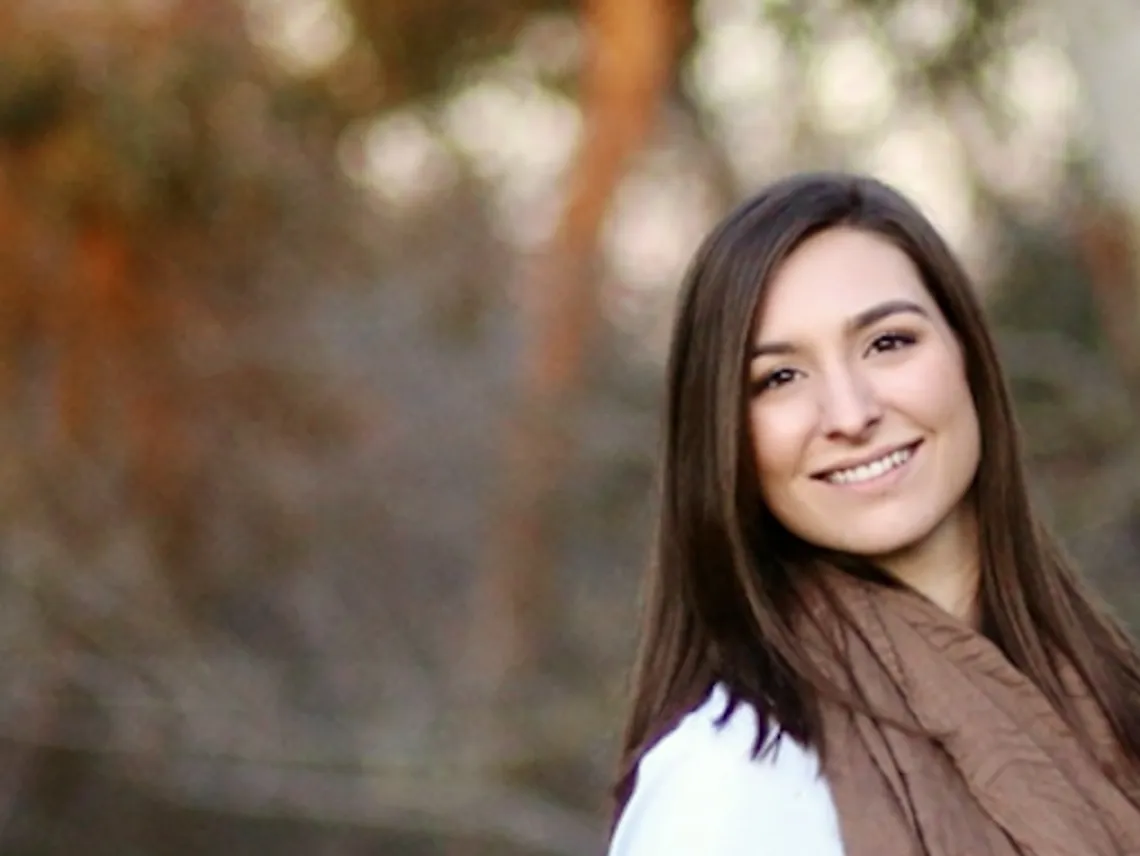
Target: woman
column 859, row 637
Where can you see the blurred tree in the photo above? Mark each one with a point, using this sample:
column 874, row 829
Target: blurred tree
column 153, row 215
column 632, row 48
column 1104, row 45
column 145, row 190
column 407, row 51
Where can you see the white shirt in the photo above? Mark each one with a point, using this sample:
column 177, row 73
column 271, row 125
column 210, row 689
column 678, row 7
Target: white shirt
column 699, row 792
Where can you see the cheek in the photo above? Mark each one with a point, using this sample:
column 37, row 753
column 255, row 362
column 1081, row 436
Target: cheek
column 939, row 399
column 934, row 390
column 779, row 433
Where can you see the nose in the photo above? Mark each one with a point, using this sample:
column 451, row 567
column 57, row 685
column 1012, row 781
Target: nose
column 849, row 407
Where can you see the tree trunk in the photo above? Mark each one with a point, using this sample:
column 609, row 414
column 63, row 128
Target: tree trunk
column 626, row 72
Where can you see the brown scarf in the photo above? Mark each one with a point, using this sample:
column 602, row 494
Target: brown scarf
column 1006, row 776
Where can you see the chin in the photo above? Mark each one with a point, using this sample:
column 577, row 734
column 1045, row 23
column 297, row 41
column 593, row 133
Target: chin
column 870, row 543
column 875, row 548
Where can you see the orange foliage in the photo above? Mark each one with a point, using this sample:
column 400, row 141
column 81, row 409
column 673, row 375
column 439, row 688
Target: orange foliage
column 1104, row 236
column 144, row 183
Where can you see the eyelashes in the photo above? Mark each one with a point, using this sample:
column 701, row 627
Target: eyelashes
column 891, row 342
column 773, row 379
column 884, row 343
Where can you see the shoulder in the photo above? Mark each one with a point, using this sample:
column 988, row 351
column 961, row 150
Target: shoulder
column 699, row 790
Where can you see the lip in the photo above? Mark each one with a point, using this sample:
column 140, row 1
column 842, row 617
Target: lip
column 867, row 459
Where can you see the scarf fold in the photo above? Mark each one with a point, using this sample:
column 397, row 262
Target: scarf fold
column 1002, row 773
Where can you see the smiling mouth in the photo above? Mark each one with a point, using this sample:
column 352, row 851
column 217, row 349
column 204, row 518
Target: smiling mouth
column 870, row 470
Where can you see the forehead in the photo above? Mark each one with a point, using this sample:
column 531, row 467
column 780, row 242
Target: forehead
column 835, row 275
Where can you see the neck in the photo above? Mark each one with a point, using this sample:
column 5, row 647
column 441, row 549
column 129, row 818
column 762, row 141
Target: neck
column 945, row 567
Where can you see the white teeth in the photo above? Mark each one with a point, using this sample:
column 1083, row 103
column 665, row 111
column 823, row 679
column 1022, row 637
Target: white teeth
column 865, row 472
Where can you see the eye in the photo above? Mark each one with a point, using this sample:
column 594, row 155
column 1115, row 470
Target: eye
column 891, row 342
column 772, row 380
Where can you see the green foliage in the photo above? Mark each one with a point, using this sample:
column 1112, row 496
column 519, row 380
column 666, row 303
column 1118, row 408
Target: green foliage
column 157, row 138
column 35, row 77
column 1043, row 288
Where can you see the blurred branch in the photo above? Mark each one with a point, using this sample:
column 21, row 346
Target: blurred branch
column 627, row 71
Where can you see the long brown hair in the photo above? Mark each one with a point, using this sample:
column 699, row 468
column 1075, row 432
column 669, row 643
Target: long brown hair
column 722, row 594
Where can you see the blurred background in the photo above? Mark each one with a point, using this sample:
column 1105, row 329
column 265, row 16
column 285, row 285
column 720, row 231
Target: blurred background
column 332, row 337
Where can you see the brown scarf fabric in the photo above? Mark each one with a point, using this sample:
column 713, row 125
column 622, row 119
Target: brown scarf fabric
column 1005, row 776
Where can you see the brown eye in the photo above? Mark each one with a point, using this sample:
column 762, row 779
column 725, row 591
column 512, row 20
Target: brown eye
column 892, row 342
column 777, row 378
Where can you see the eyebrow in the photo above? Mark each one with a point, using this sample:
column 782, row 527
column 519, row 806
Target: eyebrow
column 858, row 322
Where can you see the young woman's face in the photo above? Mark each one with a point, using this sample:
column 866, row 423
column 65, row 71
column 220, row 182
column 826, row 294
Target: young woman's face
column 864, row 431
